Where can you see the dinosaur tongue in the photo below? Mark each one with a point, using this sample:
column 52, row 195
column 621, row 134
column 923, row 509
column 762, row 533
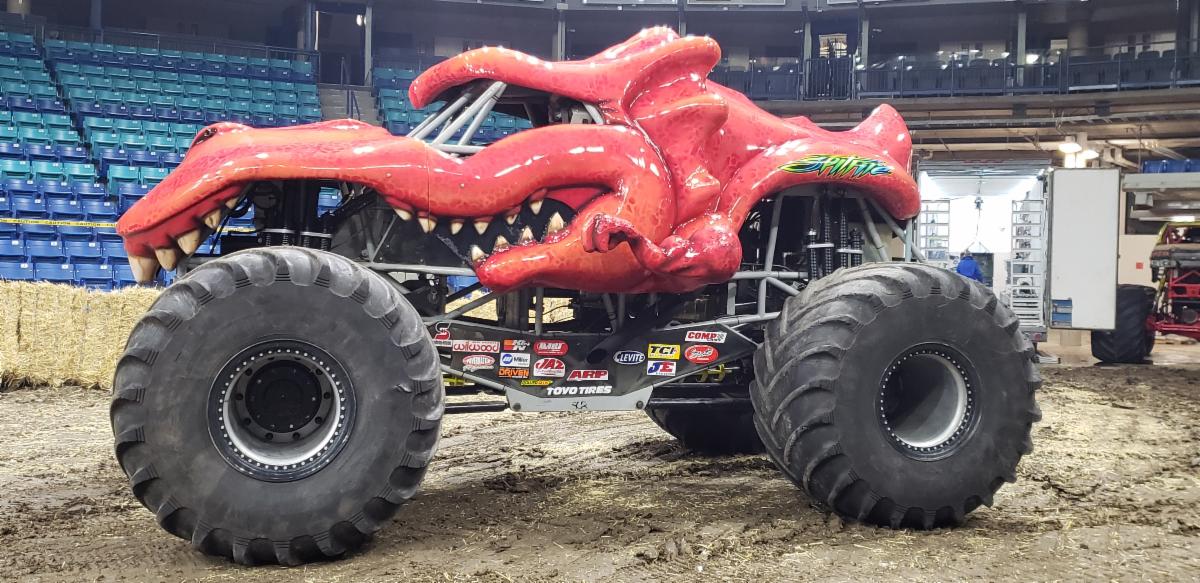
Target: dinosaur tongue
column 575, row 196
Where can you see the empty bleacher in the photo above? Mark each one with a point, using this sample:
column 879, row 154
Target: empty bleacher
column 399, row 116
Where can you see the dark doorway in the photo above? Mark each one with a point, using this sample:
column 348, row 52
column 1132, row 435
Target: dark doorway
column 341, row 37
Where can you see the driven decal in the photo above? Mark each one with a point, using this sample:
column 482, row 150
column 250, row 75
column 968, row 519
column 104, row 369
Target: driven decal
column 837, row 166
column 661, row 368
column 701, row 354
column 550, row 347
column 549, row 367
column 705, row 336
column 491, row 346
column 508, row 372
column 478, row 362
column 663, row 352
column 588, row 375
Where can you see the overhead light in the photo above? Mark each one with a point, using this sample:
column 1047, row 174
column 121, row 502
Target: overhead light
column 1070, row 146
column 1031, row 59
column 1183, row 219
column 1089, row 154
column 358, row 18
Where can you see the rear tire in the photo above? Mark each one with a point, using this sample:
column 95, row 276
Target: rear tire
column 1130, row 342
column 714, row 431
column 900, row 395
column 277, row 406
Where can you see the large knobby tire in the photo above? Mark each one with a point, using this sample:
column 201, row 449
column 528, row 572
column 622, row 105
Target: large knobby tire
column 320, row 350
column 1131, row 341
column 900, row 395
column 711, row 431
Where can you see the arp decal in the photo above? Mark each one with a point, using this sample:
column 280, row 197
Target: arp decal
column 491, row 346
column 441, row 336
column 661, row 368
column 508, row 372
column 663, row 352
column 701, row 354
column 535, row 382
column 478, row 362
column 588, row 375
column 629, row 357
column 837, row 166
column 550, row 347
column 549, row 367
column 517, row 345
column 578, row 390
column 707, row 336
column 515, row 359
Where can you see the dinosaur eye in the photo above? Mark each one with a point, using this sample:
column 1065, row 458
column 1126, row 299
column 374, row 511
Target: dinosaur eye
column 204, row 134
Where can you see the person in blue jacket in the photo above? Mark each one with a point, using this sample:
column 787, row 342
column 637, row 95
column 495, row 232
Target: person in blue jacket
column 968, row 268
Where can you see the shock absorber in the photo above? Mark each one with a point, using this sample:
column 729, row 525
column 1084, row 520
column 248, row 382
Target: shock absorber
column 827, row 240
column 856, row 246
column 843, row 240
column 814, row 261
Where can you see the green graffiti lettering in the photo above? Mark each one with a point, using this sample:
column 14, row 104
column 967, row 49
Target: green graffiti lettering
column 837, row 166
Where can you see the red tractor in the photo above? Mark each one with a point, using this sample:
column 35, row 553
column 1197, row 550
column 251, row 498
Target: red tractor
column 717, row 267
column 1171, row 308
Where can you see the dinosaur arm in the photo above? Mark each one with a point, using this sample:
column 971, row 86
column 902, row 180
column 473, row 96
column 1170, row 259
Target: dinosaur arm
column 701, row 251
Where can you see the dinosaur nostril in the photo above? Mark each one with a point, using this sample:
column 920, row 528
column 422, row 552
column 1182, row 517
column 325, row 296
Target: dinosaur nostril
column 204, row 134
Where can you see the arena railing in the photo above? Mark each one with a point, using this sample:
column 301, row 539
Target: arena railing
column 189, row 43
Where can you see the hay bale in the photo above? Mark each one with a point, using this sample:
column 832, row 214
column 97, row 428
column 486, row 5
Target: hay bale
column 58, row 334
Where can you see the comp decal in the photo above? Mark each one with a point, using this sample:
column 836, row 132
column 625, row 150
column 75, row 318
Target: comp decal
column 837, row 166
column 706, row 336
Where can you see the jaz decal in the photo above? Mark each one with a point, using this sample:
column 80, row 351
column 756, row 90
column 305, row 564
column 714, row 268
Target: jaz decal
column 514, row 359
column 661, row 368
column 588, row 375
column 701, row 354
column 578, row 390
column 549, row 367
column 491, row 346
column 535, row 382
column 629, row 357
column 663, row 352
column 478, row 362
column 705, row 336
column 837, row 166
column 441, row 336
column 550, row 347
column 517, row 345
column 508, row 372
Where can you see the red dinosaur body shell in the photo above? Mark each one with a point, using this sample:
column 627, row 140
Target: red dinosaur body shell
column 673, row 172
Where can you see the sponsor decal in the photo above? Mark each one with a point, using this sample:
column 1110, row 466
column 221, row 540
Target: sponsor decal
column 478, row 362
column 535, row 382
column 588, row 375
column 514, row 359
column 550, row 347
column 661, row 368
column 491, row 346
column 837, row 166
column 516, row 345
column 701, row 354
column 508, row 372
column 441, row 334
column 575, row 391
column 629, row 357
column 663, row 352
column 705, row 336
column 549, row 367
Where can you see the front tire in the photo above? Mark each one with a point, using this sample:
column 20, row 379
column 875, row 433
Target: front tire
column 277, row 405
column 1131, row 341
column 900, row 395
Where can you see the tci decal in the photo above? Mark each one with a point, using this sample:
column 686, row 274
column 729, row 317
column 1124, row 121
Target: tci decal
column 837, row 166
column 663, row 351
column 704, row 336
column 549, row 367
column 491, row 346
column 535, row 382
column 478, row 362
column 550, row 347
column 661, row 368
column 516, row 345
column 701, row 354
column 514, row 359
column 588, row 375
column 577, row 390
column 629, row 357
column 508, row 372
column 441, row 336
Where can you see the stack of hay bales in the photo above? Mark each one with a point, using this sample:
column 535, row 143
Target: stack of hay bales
column 57, row 334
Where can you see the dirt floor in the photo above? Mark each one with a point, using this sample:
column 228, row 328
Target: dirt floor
column 1111, row 492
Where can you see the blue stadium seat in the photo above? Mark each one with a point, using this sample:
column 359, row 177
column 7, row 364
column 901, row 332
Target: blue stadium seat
column 36, row 232
column 71, row 233
column 12, row 249
column 54, row 272
column 123, row 275
column 72, row 153
column 53, row 190
column 17, row 271
column 13, row 150
column 64, row 210
column 45, row 251
column 21, row 187
column 84, row 252
column 98, row 277
column 89, row 191
column 100, row 210
column 144, row 158
column 27, row 206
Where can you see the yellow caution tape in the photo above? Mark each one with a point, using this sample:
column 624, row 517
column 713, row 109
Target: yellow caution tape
column 96, row 224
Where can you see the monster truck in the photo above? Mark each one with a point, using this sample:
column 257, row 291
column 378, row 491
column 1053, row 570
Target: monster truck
column 722, row 269
column 1173, row 307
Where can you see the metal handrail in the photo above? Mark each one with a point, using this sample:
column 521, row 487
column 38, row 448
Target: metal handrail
column 353, row 111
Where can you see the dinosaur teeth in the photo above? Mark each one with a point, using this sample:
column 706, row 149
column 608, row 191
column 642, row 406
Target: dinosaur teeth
column 143, row 268
column 526, row 236
column 456, row 225
column 213, row 220
column 405, row 215
column 168, row 257
column 555, row 225
column 501, row 244
column 232, row 202
column 427, row 223
column 481, row 225
column 189, row 241
column 511, row 217
column 477, row 254
column 535, row 206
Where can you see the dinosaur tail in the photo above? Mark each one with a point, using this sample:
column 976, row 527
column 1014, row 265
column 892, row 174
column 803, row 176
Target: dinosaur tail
column 885, row 129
